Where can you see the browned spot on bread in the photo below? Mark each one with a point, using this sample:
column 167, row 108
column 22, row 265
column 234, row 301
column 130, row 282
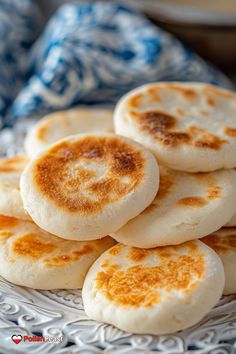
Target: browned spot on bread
column 140, row 285
column 195, row 131
column 162, row 129
column 6, row 234
column 230, row 131
column 105, row 264
column 104, row 186
column 209, row 182
column 204, row 177
column 166, row 183
column 57, row 177
column 231, row 229
column 150, row 208
column 13, row 164
column 30, row 245
column 216, row 91
column 210, row 141
column 159, row 125
column 180, row 111
column 153, row 93
column 134, row 100
column 110, row 131
column 173, row 138
column 137, row 254
column 188, row 93
column 7, row 222
column 64, row 259
column 82, row 177
column 214, row 192
column 163, row 252
column 110, row 267
column 193, row 202
column 84, row 250
column 42, row 131
column 115, row 251
column 157, row 120
column 192, row 246
column 168, row 251
column 221, row 244
column 202, row 113
column 210, row 101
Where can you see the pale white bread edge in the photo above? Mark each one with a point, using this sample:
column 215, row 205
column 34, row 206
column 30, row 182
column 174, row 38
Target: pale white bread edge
column 229, row 264
column 11, row 203
column 33, row 145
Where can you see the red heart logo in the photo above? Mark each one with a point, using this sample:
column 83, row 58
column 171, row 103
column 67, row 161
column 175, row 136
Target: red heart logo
column 16, row 338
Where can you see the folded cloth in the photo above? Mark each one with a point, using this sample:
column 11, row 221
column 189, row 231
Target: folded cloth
column 19, row 25
column 93, row 53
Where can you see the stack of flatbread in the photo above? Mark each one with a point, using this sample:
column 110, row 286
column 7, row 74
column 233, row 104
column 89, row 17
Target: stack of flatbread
column 119, row 209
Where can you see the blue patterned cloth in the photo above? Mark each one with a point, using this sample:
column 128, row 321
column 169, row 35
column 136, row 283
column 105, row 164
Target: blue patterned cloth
column 87, row 54
column 19, row 24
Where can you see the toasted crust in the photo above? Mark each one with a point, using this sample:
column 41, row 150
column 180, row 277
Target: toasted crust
column 174, row 272
column 223, row 242
column 54, row 262
column 14, row 164
column 185, row 125
column 55, row 170
column 87, row 182
column 154, row 291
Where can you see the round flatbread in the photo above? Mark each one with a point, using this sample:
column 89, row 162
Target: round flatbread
column 10, row 199
column 223, row 242
column 156, row 291
column 58, row 125
column 187, row 206
column 188, row 126
column 87, row 186
column 32, row 257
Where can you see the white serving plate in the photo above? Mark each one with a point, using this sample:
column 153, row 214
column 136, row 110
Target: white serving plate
column 60, row 313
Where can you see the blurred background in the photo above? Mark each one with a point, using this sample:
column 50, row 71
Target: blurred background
column 206, row 26
column 58, row 54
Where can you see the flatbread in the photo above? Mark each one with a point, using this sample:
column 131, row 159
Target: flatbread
column 188, row 126
column 87, row 186
column 231, row 222
column 58, row 125
column 32, row 257
column 223, row 242
column 156, row 291
column 187, row 206
column 10, row 199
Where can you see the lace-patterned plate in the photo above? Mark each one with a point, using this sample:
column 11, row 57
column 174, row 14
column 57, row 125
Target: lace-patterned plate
column 25, row 311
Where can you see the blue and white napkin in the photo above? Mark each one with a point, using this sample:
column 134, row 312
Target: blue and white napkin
column 88, row 53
